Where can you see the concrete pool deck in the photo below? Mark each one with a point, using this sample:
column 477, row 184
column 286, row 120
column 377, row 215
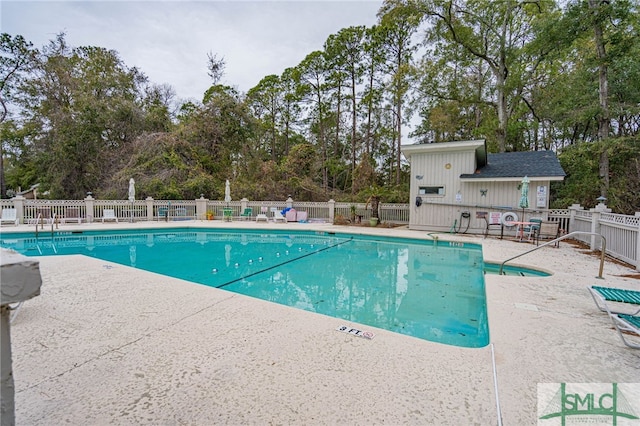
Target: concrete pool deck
column 108, row 344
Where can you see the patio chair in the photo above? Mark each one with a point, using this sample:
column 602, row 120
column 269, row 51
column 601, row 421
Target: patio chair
column 548, row 230
column 277, row 215
column 262, row 215
column 247, row 213
column 109, row 214
column 163, row 213
column 603, row 294
column 8, row 216
column 227, row 214
column 534, row 227
column 72, row 214
column 491, row 219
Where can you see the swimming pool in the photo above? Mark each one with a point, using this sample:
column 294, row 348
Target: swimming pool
column 426, row 289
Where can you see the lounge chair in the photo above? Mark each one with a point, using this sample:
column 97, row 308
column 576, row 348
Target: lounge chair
column 109, row 214
column 8, row 216
column 247, row 213
column 624, row 323
column 603, row 294
column 627, row 324
column 262, row 215
column 277, row 215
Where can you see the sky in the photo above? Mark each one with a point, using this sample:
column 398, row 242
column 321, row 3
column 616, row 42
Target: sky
column 169, row 40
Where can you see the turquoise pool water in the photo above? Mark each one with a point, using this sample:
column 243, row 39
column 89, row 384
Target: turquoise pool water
column 494, row 268
column 429, row 290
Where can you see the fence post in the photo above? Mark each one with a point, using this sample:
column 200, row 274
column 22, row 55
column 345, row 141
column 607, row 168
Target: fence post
column 573, row 208
column 595, row 228
column 595, row 224
column 638, row 243
column 149, row 202
column 201, row 208
column 244, row 203
column 332, row 210
column 88, row 204
column 289, row 202
column 18, row 204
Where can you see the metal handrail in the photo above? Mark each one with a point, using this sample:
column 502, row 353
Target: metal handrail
column 38, row 217
column 603, row 249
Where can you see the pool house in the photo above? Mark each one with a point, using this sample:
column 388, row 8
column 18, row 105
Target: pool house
column 459, row 187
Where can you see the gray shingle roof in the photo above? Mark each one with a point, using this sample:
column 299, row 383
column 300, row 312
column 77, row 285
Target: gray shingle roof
column 519, row 164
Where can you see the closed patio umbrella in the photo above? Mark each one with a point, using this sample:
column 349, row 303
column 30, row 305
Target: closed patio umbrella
column 132, row 197
column 524, row 195
column 132, row 190
column 523, row 204
column 227, row 192
column 227, row 212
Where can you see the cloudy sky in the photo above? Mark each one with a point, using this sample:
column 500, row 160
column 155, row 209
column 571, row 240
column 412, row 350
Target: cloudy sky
column 169, row 40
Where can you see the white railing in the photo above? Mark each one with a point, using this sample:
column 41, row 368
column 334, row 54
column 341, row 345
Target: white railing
column 92, row 210
column 560, row 215
column 622, row 232
column 316, row 210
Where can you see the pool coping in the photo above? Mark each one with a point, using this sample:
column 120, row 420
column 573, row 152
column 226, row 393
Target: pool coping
column 91, row 349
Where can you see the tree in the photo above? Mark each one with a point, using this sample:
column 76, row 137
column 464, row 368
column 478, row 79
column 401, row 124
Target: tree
column 614, row 27
column 454, row 95
column 17, row 57
column 344, row 52
column 291, row 111
column 373, row 60
column 312, row 88
column 302, row 166
column 216, row 67
column 156, row 102
column 581, row 163
column 82, row 104
column 500, row 34
column 398, row 23
column 267, row 102
column 222, row 131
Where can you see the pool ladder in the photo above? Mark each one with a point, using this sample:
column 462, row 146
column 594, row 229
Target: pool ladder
column 41, row 220
column 564, row 237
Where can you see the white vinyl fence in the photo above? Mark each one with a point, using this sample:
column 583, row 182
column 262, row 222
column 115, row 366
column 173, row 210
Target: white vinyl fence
column 621, row 232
